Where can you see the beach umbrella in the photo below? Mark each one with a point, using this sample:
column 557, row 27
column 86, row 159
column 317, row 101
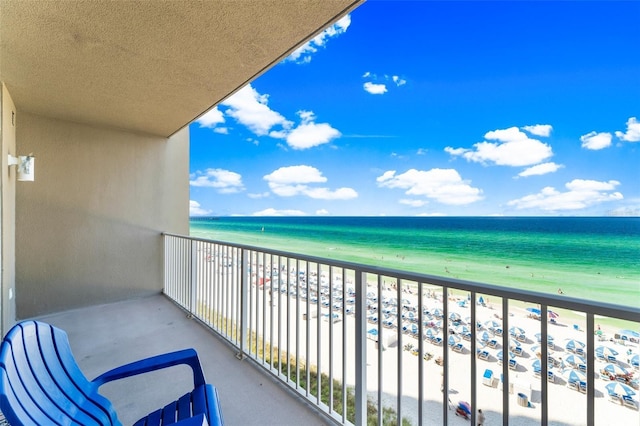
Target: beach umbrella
column 549, row 338
column 513, row 343
column 437, row 313
column 499, row 355
column 573, row 344
column 605, row 351
column 615, row 369
column 453, row 339
column 454, row 316
column 629, row 334
column 619, row 389
column 484, row 337
column 572, row 376
column 552, row 314
column 575, row 360
column 534, row 311
column 461, row 329
column 492, row 324
column 516, row 330
column 635, row 360
column 537, row 365
column 481, row 300
column 430, row 333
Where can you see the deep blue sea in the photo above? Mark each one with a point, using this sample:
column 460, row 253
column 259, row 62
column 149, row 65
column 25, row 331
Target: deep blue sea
column 592, row 258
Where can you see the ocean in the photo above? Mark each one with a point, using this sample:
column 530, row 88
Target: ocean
column 588, row 258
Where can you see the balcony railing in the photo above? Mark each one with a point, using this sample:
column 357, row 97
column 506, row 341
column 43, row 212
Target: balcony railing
column 368, row 345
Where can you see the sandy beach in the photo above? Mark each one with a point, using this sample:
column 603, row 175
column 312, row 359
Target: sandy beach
column 315, row 340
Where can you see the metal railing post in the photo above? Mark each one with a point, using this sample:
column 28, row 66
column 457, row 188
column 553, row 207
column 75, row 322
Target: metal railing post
column 245, row 277
column 193, row 277
column 361, row 348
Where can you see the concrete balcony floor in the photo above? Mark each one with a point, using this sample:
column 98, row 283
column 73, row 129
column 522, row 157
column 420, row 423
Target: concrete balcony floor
column 106, row 336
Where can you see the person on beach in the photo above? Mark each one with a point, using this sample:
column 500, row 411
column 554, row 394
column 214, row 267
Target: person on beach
column 560, row 291
column 480, row 417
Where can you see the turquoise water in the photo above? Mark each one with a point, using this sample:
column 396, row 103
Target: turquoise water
column 591, row 258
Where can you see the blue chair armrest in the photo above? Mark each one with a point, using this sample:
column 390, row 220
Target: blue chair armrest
column 187, row 357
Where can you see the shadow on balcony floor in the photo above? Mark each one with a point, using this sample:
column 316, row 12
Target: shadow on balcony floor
column 103, row 337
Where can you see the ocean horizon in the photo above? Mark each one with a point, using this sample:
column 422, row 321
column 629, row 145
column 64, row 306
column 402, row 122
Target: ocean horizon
column 595, row 258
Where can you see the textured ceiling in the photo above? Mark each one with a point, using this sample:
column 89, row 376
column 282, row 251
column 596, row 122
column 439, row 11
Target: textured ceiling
column 149, row 67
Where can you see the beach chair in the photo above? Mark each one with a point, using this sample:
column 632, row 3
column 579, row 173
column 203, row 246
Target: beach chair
column 582, row 387
column 612, row 359
column 572, row 385
column 487, row 378
column 458, row 347
column 551, row 377
column 628, row 402
column 513, row 364
column 516, row 350
column 493, row 343
column 42, row 384
column 484, row 355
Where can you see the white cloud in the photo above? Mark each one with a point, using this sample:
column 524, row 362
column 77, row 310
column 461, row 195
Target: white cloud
column 302, row 55
column 225, row 181
column 211, row 118
column 375, row 89
column 422, row 151
column 196, row 210
column 541, row 169
column 222, row 130
column 294, row 180
column 513, row 148
column 322, row 212
column 539, row 129
column 595, row 141
column 250, row 108
column 443, row 185
column 274, row 212
column 580, row 194
column 633, row 131
column 413, row 202
column 310, row 134
column 399, row 81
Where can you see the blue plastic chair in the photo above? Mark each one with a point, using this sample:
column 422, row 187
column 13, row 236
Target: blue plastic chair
column 41, row 384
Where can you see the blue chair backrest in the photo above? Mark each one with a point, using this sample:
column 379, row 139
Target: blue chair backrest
column 41, row 384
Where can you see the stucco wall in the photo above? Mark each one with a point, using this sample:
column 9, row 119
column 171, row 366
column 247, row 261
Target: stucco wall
column 88, row 229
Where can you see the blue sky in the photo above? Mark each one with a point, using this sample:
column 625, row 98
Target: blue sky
column 436, row 108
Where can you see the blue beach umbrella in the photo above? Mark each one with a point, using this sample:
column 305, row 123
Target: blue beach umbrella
column 619, row 389
column 537, row 366
column 538, row 337
column 516, row 330
column 629, row 334
column 605, row 351
column 481, row 300
column 573, row 344
column 484, row 337
column 575, row 360
column 534, row 311
column 492, row 324
column 615, row 369
column 635, row 360
column 453, row 339
column 573, row 376
column 499, row 355
column 454, row 316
